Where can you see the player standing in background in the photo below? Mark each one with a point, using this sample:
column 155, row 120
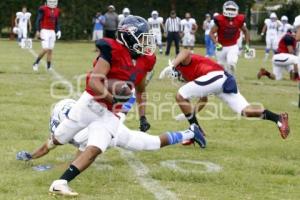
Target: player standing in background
column 206, row 77
column 125, row 13
column 228, row 26
column 47, row 29
column 156, row 28
column 188, row 28
column 23, row 22
column 98, row 21
column 209, row 44
column 297, row 28
column 271, row 28
column 285, row 26
column 284, row 59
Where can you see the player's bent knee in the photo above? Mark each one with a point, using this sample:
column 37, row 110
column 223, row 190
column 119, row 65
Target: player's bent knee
column 93, row 152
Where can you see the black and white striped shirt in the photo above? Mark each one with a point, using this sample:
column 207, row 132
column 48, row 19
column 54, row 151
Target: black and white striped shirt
column 172, row 24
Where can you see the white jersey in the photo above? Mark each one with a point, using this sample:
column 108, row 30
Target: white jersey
column 283, row 29
column 23, row 19
column 187, row 25
column 121, row 17
column 272, row 27
column 208, row 26
column 155, row 24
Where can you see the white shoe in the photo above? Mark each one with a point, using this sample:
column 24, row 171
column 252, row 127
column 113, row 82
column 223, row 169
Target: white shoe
column 61, row 187
column 35, row 67
column 180, row 117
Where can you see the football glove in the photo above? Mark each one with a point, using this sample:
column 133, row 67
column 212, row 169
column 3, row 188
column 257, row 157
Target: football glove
column 58, row 35
column 247, row 48
column 219, row 47
column 23, row 155
column 167, row 71
column 144, row 124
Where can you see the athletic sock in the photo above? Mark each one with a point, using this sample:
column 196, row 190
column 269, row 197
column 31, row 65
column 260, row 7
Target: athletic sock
column 37, row 60
column 191, row 117
column 48, row 64
column 268, row 115
column 70, row 173
column 179, row 136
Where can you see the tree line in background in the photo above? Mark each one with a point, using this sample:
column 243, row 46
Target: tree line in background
column 76, row 15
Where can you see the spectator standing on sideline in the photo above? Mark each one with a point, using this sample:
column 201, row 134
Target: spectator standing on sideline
column 172, row 29
column 111, row 22
column 98, row 21
column 209, row 44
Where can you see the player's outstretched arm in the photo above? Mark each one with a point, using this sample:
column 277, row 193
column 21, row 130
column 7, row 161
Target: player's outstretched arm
column 40, row 152
column 184, row 57
column 213, row 32
column 141, row 103
column 246, row 34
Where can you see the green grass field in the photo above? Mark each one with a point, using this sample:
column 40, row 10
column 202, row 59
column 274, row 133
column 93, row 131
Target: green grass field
column 256, row 163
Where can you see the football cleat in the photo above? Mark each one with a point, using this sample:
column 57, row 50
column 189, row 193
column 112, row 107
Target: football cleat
column 35, row 67
column 283, row 125
column 199, row 136
column 61, row 187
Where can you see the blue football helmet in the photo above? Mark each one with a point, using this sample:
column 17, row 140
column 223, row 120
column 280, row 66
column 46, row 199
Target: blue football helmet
column 133, row 32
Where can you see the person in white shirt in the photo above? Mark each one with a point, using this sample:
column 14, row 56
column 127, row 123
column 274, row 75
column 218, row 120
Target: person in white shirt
column 271, row 28
column 285, row 26
column 209, row 44
column 125, row 13
column 22, row 22
column 156, row 26
column 188, row 28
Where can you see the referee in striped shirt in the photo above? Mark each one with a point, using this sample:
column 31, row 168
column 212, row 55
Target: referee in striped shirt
column 172, row 29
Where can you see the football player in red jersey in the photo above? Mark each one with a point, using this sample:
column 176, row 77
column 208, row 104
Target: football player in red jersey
column 228, row 26
column 96, row 106
column 206, row 77
column 47, row 29
column 284, row 59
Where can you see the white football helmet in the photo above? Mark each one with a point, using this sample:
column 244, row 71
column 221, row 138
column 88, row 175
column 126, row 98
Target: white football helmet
column 16, row 30
column 284, row 18
column 273, row 15
column 154, row 14
column 126, row 11
column 52, row 3
column 230, row 9
column 297, row 22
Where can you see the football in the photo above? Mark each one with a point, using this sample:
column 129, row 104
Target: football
column 119, row 88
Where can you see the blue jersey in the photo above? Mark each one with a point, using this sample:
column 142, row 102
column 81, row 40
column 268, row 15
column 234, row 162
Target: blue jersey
column 99, row 22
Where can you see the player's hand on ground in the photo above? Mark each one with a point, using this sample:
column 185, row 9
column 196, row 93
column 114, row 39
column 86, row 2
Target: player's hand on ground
column 167, row 71
column 144, row 124
column 219, row 47
column 58, row 35
column 23, row 155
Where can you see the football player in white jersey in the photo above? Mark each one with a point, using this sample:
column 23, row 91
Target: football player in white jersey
column 188, row 28
column 285, row 26
column 156, row 27
column 125, row 13
column 128, row 139
column 271, row 28
column 22, row 22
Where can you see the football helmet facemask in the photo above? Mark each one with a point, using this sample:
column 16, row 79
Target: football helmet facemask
column 52, row 3
column 230, row 9
column 133, row 32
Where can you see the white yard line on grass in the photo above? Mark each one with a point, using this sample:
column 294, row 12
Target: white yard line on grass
column 140, row 170
column 142, row 174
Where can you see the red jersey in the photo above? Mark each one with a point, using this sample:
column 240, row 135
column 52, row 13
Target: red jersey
column 143, row 65
column 287, row 40
column 199, row 66
column 48, row 18
column 229, row 29
column 121, row 64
